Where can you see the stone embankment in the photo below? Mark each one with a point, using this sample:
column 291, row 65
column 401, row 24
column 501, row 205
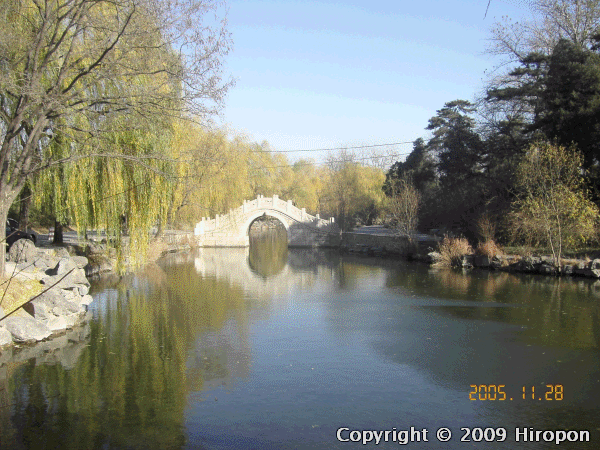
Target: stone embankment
column 57, row 309
column 379, row 244
column 422, row 250
column 543, row 265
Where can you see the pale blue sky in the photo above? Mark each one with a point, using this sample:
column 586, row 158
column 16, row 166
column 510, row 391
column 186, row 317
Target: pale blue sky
column 329, row 73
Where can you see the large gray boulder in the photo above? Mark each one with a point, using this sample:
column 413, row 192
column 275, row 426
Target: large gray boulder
column 466, row 261
column 5, row 337
column 594, row 264
column 61, row 252
column 74, row 299
column 98, row 264
column 434, row 257
column 528, row 264
column 73, row 319
column 45, row 261
column 94, row 248
column 482, row 261
column 22, row 251
column 58, row 309
column 590, row 270
column 86, row 300
column 64, row 349
column 51, row 303
column 80, row 261
column 56, row 323
column 64, row 266
column 567, row 269
column 26, row 329
column 546, row 268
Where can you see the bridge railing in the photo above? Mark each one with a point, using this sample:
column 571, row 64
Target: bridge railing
column 222, row 222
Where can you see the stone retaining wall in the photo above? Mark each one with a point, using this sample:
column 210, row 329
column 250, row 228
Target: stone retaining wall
column 374, row 244
column 381, row 244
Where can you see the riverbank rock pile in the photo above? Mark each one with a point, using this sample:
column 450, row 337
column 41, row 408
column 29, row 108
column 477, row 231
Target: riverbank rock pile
column 423, row 250
column 57, row 309
column 65, row 349
column 542, row 265
column 99, row 259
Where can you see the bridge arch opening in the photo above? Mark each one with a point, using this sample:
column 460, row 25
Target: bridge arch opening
column 268, row 242
column 266, row 216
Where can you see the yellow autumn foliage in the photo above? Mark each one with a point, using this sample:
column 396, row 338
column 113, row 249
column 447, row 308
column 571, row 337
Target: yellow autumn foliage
column 553, row 207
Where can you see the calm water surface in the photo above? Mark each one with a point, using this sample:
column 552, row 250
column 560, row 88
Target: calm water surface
column 271, row 348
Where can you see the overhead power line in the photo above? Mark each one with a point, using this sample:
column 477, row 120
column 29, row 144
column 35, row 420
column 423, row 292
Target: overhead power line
column 332, row 148
column 308, row 163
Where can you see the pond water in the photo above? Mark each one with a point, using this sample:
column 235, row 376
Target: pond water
column 276, row 348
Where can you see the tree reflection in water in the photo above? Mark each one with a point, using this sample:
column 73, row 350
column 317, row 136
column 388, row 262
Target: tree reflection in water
column 153, row 341
column 568, row 307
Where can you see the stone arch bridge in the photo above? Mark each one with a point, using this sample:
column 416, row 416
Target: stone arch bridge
column 232, row 230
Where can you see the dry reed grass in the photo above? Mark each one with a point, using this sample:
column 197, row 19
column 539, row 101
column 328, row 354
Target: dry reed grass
column 15, row 292
column 488, row 248
column 452, row 250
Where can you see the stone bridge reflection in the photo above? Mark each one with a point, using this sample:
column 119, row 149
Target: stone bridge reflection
column 293, row 270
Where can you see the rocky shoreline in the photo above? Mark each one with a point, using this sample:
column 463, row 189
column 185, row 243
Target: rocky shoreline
column 63, row 303
column 542, row 265
column 65, row 270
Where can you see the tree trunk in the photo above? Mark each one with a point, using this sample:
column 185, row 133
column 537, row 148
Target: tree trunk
column 159, row 230
column 3, row 217
column 58, row 233
column 25, row 202
column 124, row 225
column 7, row 197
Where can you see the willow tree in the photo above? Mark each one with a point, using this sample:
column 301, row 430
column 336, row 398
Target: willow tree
column 100, row 193
column 78, row 75
column 354, row 192
column 200, row 157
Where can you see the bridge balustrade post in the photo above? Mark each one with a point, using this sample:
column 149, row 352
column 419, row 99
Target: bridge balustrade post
column 199, row 228
column 258, row 201
column 303, row 214
column 217, row 221
column 244, row 207
column 288, row 207
column 275, row 198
